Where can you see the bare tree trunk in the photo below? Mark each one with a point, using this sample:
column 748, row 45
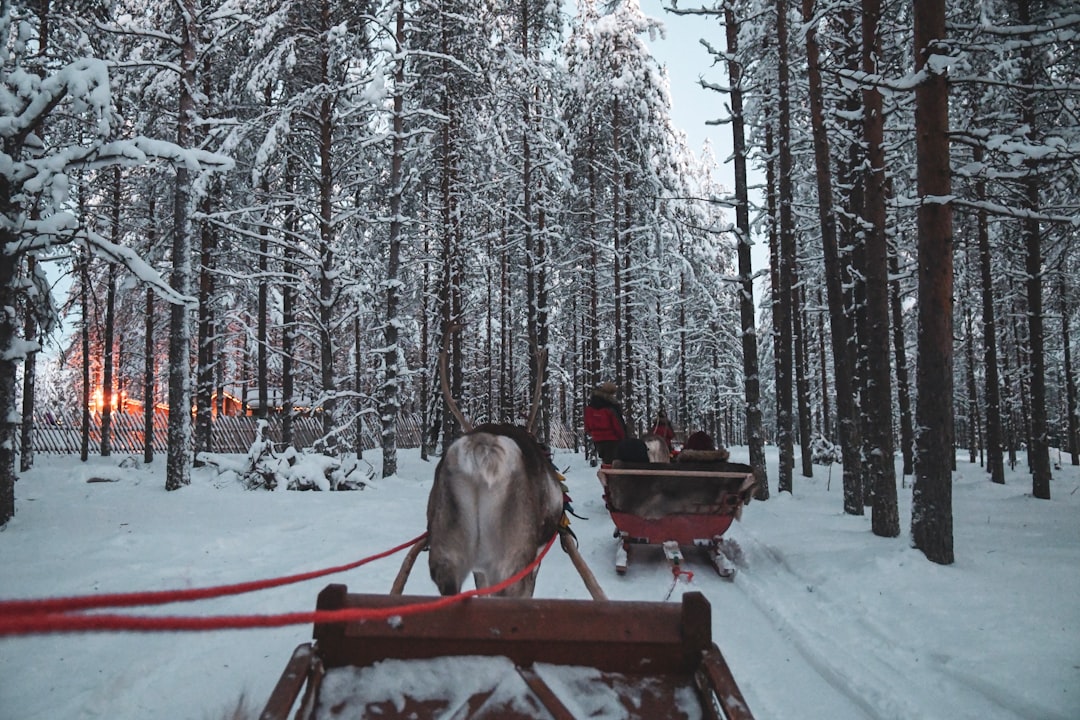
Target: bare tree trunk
column 506, row 344
column 358, row 379
column 826, row 414
column 30, row 332
column 426, row 394
column 262, row 334
column 1038, row 449
column 802, row 383
column 782, row 313
column 148, row 368
column 391, row 403
column 839, row 323
column 931, row 515
column 616, row 227
column 108, row 383
column 994, row 461
column 178, row 463
column 206, row 359
column 30, row 320
column 84, row 332
column 903, row 385
column 748, row 324
column 327, row 291
column 630, row 412
column 878, row 432
column 288, row 309
column 1008, row 403
column 9, row 266
column 972, row 389
column 1072, row 443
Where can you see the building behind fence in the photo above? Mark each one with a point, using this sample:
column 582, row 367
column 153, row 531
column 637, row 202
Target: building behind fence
column 60, row 432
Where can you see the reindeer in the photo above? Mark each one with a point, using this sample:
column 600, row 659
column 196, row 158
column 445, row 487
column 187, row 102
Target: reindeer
column 659, row 451
column 495, row 502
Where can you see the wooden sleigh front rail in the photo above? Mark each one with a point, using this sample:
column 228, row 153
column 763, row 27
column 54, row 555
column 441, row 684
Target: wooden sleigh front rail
column 625, row 645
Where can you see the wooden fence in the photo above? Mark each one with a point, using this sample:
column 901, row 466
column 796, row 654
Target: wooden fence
column 60, row 432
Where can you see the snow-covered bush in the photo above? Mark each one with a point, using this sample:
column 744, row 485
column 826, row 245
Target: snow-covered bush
column 823, row 452
column 292, row 469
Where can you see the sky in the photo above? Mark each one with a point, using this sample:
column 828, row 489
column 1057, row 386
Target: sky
column 693, row 106
column 822, row 620
column 687, row 62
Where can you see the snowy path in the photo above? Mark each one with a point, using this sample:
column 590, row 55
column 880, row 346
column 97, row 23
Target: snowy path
column 876, row 668
column 781, row 617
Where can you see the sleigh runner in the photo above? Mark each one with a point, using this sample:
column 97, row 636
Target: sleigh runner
column 511, row 658
column 676, row 506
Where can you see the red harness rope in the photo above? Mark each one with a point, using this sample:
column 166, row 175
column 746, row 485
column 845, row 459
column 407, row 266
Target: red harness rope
column 42, row 606
column 52, row 621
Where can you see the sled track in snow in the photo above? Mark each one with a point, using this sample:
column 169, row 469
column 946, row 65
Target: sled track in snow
column 885, row 680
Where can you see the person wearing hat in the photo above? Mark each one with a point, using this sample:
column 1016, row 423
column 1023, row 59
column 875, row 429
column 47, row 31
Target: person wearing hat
column 604, row 421
column 700, row 448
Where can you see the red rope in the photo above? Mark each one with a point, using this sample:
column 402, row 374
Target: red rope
column 43, row 606
column 39, row 623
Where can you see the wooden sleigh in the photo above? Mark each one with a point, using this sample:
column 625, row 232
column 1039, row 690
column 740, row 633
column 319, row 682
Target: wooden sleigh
column 510, row 658
column 675, row 505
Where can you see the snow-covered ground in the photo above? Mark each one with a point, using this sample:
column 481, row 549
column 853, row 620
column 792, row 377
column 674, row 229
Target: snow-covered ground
column 826, row 620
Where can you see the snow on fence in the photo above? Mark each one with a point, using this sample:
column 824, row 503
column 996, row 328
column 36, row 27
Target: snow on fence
column 60, row 432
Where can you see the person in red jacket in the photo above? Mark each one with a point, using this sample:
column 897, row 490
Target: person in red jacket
column 663, row 428
column 604, row 421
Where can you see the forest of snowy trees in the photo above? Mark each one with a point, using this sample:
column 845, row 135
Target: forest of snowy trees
column 298, row 199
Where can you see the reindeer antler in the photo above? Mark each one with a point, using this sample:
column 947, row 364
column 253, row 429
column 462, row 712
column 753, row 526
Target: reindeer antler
column 444, row 381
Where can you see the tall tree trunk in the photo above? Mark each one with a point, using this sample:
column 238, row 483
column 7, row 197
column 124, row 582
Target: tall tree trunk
column 1038, row 449
column 850, row 159
column 206, row 357
column 9, row 429
column 994, row 461
column 148, row 369
column 30, row 332
column 178, row 463
column 327, row 291
column 747, row 322
column 630, row 413
column 972, row 389
column 782, row 313
column 617, row 241
column 802, row 382
column 826, row 414
column 426, row 394
column 903, row 387
column 878, row 432
column 30, row 323
column 931, row 513
column 1072, row 442
column 358, row 381
column 84, row 332
column 506, row 344
column 288, row 308
column 391, row 358
column 1021, row 378
column 839, row 323
column 108, row 382
column 1009, row 400
column 262, row 335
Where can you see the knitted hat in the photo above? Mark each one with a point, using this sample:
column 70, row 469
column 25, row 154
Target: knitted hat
column 607, row 389
column 699, row 441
